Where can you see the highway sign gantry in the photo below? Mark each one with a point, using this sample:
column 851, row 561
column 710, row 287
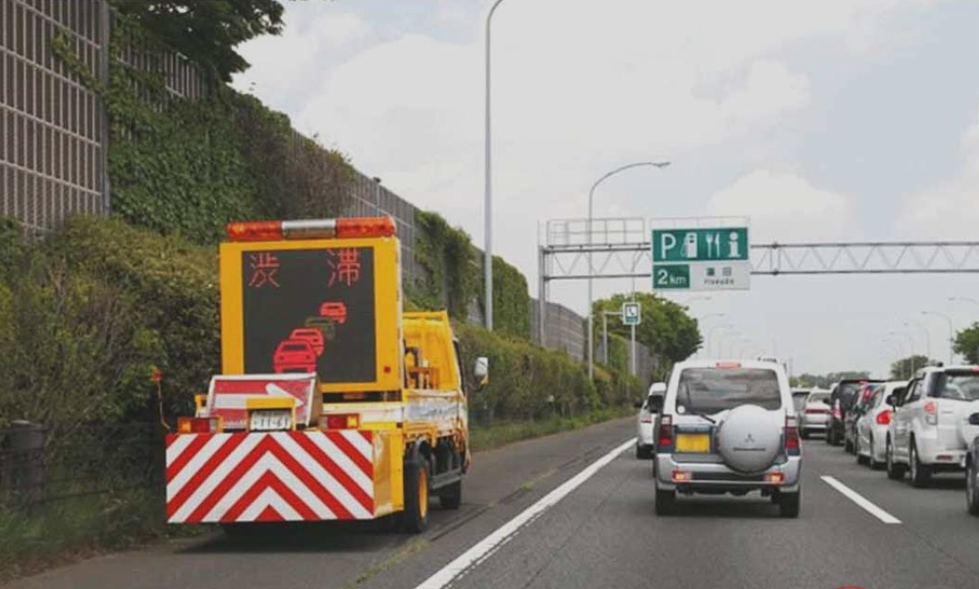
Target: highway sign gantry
column 701, row 259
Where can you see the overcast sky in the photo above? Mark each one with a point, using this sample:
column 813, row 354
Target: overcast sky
column 832, row 120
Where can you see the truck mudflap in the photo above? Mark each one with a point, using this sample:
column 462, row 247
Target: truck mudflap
column 309, row 475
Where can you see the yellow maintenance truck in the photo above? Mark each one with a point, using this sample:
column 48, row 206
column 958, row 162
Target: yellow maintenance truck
column 333, row 403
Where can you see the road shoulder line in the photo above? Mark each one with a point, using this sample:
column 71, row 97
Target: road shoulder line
column 861, row 501
column 485, row 547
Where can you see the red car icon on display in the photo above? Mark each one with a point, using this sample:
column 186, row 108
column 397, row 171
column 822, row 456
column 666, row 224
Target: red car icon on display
column 312, row 335
column 294, row 355
column 334, row 310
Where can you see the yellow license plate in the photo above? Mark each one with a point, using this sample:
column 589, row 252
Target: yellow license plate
column 693, row 443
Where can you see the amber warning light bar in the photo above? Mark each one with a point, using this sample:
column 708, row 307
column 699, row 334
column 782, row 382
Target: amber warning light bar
column 344, row 228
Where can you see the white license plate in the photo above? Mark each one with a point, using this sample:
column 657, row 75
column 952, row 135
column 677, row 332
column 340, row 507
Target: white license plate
column 270, row 420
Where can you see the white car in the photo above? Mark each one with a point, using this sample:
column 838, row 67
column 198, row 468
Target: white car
column 815, row 414
column 644, row 426
column 930, row 431
column 728, row 427
column 874, row 422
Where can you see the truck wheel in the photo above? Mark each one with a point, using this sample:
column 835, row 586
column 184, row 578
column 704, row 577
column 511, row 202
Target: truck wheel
column 665, row 502
column 415, row 518
column 789, row 504
column 920, row 473
column 451, row 496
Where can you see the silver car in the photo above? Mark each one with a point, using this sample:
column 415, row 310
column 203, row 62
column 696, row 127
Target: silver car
column 815, row 413
column 644, row 426
column 872, row 424
column 728, row 427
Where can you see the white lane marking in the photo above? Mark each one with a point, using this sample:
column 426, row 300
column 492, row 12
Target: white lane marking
column 861, row 501
column 504, row 533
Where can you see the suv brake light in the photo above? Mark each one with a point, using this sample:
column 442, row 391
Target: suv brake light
column 884, row 417
column 664, row 441
column 931, row 413
column 836, row 410
column 792, row 443
column 728, row 365
column 646, row 419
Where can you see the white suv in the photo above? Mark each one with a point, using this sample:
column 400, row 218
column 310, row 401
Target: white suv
column 930, row 431
column 644, row 427
column 728, row 427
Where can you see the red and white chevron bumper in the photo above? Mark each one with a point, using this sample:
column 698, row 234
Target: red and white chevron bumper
column 276, row 476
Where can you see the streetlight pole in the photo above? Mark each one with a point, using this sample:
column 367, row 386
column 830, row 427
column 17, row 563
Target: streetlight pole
column 720, row 343
column 591, row 268
column 488, row 178
column 964, row 299
column 951, row 332
column 701, row 320
column 710, row 336
column 927, row 335
column 910, row 346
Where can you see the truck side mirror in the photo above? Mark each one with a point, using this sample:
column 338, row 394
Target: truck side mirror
column 974, row 419
column 481, row 370
column 891, row 400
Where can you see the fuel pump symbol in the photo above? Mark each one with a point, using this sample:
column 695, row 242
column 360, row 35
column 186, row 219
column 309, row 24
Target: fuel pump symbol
column 690, row 246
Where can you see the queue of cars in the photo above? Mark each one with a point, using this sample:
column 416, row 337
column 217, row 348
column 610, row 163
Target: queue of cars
column 734, row 427
column 916, row 428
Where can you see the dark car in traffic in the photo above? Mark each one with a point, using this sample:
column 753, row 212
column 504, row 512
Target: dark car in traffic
column 841, row 400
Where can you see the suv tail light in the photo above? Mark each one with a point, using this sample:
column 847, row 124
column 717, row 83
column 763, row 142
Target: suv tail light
column 646, row 419
column 792, row 443
column 884, row 417
column 931, row 413
column 815, row 411
column 836, row 410
column 664, row 441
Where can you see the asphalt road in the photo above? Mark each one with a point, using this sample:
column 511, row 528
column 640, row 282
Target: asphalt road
column 601, row 534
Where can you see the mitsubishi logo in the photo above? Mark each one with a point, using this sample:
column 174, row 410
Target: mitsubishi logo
column 750, row 439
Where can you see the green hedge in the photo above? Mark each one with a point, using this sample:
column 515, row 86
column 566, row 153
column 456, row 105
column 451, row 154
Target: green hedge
column 191, row 166
column 91, row 310
column 528, row 382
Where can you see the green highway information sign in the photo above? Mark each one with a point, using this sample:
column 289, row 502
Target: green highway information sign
column 701, row 259
column 700, row 245
column 631, row 313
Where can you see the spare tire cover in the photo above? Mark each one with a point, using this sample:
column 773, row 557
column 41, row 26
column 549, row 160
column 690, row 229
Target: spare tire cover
column 750, row 438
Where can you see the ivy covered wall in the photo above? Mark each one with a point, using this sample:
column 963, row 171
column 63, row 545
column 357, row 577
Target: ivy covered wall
column 190, row 166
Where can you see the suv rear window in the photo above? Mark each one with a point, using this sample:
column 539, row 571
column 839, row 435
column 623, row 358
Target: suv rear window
column 710, row 390
column 963, row 386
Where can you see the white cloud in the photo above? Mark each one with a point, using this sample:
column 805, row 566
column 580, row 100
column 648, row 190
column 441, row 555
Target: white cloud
column 339, row 29
column 282, row 66
column 784, row 207
column 578, row 88
column 950, row 211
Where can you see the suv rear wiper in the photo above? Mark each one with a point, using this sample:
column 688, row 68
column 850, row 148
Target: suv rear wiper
column 704, row 416
column 698, row 414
